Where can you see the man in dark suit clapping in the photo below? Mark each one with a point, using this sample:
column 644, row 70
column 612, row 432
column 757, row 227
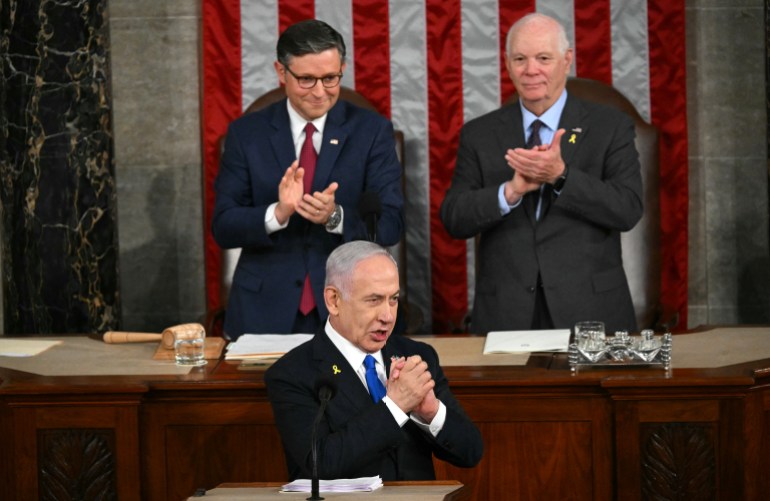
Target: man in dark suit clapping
column 548, row 183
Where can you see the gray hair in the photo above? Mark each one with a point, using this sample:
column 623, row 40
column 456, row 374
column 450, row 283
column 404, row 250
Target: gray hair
column 537, row 17
column 308, row 37
column 344, row 259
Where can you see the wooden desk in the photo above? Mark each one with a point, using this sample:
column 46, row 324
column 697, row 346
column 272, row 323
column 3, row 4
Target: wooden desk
column 612, row 434
column 392, row 491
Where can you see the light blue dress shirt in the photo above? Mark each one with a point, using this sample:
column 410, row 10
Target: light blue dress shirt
column 550, row 121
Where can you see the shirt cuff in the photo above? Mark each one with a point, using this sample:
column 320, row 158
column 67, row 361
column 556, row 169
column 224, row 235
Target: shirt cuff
column 437, row 424
column 502, row 203
column 399, row 415
column 271, row 223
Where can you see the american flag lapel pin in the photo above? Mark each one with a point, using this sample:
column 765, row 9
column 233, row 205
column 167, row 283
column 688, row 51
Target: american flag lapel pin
column 334, row 141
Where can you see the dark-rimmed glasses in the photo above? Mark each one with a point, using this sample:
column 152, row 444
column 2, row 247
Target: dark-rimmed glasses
column 305, row 82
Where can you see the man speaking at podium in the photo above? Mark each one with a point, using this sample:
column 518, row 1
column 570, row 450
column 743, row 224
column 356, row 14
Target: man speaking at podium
column 374, row 424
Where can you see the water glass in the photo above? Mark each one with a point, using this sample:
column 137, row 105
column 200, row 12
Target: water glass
column 188, row 346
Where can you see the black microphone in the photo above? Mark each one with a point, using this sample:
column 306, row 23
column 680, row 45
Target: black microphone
column 370, row 209
column 325, row 388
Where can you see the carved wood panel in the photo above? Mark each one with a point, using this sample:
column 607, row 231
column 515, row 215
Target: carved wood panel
column 76, row 464
column 678, row 461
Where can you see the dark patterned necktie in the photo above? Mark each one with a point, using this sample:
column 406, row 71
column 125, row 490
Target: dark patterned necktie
column 543, row 197
column 534, row 136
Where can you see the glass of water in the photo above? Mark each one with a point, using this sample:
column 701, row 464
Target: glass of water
column 189, row 346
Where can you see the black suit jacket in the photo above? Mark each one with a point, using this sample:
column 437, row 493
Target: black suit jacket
column 357, row 151
column 358, row 438
column 575, row 246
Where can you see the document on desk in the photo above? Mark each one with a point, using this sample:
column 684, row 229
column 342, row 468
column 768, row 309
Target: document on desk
column 25, row 347
column 264, row 346
column 527, row 341
column 363, row 484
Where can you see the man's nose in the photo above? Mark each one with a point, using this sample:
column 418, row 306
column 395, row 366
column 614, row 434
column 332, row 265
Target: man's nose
column 387, row 312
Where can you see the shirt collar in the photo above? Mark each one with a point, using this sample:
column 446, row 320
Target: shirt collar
column 352, row 353
column 551, row 116
column 298, row 123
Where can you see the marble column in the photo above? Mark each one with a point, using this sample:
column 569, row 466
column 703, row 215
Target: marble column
column 57, row 175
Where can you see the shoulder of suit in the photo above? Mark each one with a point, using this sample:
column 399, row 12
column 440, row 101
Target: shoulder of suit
column 353, row 112
column 503, row 114
column 593, row 108
column 409, row 346
column 264, row 115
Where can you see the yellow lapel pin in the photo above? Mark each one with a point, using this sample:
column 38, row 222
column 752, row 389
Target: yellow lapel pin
column 336, row 370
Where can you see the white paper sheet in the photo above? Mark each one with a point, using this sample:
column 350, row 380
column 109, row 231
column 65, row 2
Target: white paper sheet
column 527, row 341
column 363, row 484
column 250, row 346
column 24, row 347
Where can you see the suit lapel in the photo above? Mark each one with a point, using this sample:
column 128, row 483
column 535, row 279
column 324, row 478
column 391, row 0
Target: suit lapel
column 330, row 363
column 574, row 129
column 281, row 139
column 335, row 135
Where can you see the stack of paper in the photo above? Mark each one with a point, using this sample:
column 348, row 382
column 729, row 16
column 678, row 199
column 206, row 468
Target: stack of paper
column 263, row 346
column 527, row 341
column 363, row 484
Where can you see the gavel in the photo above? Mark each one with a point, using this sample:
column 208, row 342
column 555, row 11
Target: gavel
column 166, row 337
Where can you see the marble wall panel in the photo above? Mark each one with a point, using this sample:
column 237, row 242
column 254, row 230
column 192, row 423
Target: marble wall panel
column 737, row 260
column 60, row 269
column 728, row 220
column 158, row 161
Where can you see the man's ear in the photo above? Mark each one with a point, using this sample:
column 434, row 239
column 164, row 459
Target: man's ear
column 332, row 300
column 281, row 72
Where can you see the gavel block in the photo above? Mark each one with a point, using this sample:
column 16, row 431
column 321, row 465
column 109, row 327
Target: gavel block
column 166, row 337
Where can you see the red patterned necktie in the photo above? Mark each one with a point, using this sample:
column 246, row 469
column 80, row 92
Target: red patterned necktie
column 307, row 160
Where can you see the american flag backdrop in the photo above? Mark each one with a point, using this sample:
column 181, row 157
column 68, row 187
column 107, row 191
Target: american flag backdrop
column 431, row 65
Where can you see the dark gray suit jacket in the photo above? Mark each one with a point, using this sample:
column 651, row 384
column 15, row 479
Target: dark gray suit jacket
column 358, row 438
column 575, row 246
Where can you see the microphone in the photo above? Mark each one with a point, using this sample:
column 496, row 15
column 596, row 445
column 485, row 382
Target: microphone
column 370, row 209
column 325, row 388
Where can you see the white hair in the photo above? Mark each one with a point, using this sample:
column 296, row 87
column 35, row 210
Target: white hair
column 532, row 17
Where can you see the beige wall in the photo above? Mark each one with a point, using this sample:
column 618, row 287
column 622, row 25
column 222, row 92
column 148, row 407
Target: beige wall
column 155, row 69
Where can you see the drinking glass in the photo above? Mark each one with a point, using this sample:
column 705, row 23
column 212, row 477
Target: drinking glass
column 188, row 347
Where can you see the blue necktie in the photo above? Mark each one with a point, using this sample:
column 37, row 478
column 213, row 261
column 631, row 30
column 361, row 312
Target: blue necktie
column 376, row 389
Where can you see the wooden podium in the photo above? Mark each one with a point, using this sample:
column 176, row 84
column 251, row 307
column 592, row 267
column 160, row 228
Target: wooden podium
column 701, row 429
column 439, row 490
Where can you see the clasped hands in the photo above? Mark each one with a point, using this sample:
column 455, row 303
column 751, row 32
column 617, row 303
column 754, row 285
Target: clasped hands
column 315, row 207
column 410, row 387
column 532, row 168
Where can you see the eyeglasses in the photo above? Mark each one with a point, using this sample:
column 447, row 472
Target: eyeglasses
column 328, row 81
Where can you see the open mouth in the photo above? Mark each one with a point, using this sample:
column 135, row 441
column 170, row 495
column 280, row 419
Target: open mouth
column 380, row 335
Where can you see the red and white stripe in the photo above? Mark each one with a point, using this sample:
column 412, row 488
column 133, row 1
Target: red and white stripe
column 430, row 66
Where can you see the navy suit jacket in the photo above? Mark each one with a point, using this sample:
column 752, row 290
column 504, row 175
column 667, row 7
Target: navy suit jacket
column 575, row 246
column 357, row 151
column 358, row 438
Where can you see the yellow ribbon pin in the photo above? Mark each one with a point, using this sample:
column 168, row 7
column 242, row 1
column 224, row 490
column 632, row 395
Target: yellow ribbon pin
column 572, row 138
column 335, row 369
